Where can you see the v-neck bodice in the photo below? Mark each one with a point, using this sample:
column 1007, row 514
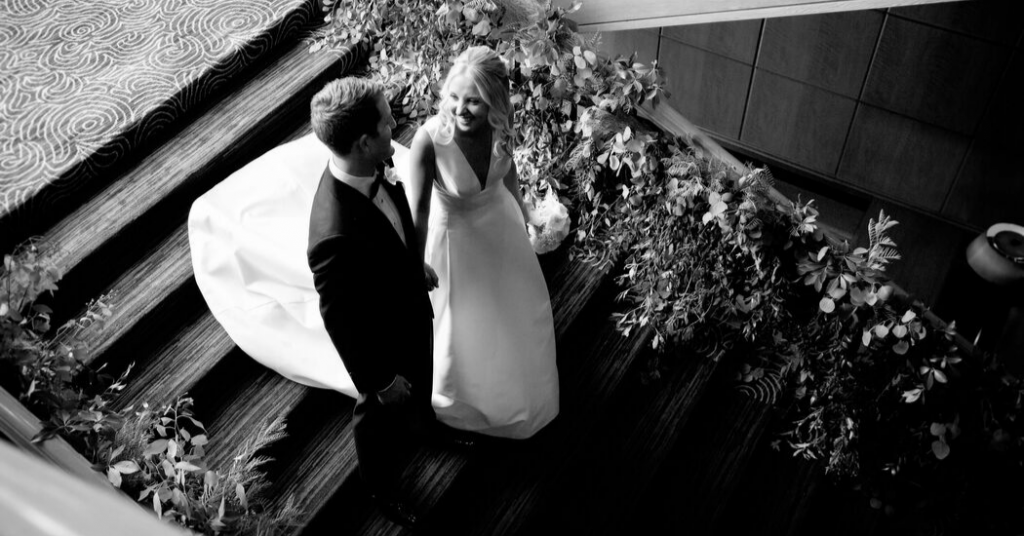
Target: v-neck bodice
column 455, row 173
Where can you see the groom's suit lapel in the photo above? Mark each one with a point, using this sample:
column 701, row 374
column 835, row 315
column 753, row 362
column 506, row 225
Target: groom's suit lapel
column 359, row 212
column 397, row 193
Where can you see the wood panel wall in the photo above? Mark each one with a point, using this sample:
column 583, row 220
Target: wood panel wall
column 915, row 110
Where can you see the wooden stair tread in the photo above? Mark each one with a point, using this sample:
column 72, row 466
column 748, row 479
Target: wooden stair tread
column 647, row 421
column 177, row 367
column 258, row 399
column 526, row 471
column 142, row 289
column 575, row 285
column 312, row 478
column 216, row 143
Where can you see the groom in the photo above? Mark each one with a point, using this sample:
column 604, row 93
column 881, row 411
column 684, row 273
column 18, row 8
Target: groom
column 372, row 284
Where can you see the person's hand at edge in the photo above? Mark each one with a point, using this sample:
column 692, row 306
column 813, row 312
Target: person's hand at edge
column 430, row 276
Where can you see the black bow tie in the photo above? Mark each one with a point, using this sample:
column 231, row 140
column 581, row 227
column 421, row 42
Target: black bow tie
column 378, row 180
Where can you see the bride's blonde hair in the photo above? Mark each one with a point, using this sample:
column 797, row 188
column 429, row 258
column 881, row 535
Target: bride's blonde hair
column 490, row 76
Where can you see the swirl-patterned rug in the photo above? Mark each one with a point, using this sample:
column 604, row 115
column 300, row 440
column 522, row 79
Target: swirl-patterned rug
column 84, row 83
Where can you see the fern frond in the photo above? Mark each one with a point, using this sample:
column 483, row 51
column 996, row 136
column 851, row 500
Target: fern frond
column 576, row 155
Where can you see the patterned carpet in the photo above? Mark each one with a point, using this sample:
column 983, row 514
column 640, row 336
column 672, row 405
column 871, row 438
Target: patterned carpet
column 84, row 82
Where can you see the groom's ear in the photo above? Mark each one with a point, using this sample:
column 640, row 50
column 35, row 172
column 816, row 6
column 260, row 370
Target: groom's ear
column 358, row 145
column 362, row 144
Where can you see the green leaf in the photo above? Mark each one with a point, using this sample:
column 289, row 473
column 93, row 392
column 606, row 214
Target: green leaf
column 114, row 476
column 156, row 447
column 114, row 454
column 168, row 468
column 185, row 466
column 940, row 449
column 901, row 347
column 145, row 493
column 912, row 395
column 157, row 506
column 240, row 493
column 126, row 467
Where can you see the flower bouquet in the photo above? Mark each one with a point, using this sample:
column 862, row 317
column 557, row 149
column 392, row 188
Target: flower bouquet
column 549, row 223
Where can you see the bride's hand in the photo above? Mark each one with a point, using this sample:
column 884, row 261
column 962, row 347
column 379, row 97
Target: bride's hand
column 430, row 276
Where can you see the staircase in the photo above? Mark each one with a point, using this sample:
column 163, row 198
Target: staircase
column 674, row 455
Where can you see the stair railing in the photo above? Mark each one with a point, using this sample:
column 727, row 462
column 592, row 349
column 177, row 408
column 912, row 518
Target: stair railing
column 19, row 425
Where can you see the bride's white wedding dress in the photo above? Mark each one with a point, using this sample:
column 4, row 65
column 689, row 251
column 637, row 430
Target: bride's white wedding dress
column 494, row 341
column 248, row 238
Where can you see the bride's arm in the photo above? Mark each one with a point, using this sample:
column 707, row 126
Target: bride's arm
column 421, row 181
column 511, row 181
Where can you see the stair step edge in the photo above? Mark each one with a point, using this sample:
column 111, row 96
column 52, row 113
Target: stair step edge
column 178, row 366
column 136, row 293
column 220, row 140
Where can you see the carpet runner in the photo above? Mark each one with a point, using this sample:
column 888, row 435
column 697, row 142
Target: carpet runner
column 82, row 84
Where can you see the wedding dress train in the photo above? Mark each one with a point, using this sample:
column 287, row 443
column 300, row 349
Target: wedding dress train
column 248, row 237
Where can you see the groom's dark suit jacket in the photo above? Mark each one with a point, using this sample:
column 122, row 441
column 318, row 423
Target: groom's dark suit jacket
column 372, row 292
column 374, row 303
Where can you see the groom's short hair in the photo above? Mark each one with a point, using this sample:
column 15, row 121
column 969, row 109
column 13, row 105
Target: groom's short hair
column 345, row 109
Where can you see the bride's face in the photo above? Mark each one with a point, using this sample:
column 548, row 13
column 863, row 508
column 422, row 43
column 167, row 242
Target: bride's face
column 467, row 105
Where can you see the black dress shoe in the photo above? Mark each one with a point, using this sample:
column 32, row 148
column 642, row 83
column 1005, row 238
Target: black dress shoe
column 397, row 511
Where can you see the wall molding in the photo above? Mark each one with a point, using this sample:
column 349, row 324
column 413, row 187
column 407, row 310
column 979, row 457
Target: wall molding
column 611, row 15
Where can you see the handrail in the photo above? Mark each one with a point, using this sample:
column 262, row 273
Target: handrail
column 38, row 499
column 19, row 425
column 670, row 120
column 612, row 15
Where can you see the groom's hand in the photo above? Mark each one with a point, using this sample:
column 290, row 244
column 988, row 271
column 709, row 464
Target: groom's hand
column 430, row 276
column 396, row 393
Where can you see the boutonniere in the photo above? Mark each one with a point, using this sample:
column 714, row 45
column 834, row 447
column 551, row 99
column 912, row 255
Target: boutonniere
column 390, row 175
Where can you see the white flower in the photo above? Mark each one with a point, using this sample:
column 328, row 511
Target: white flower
column 391, row 175
column 549, row 223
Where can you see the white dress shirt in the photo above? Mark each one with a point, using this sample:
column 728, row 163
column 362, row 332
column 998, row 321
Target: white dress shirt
column 382, row 200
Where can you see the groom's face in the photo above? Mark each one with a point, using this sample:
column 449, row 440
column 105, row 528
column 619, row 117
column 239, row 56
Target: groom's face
column 379, row 146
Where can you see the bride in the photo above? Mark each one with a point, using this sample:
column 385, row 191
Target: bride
column 494, row 339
